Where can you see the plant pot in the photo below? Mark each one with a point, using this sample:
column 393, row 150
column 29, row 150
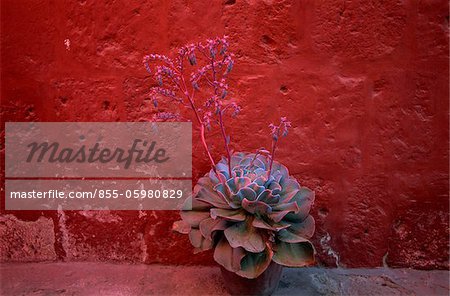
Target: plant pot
column 263, row 285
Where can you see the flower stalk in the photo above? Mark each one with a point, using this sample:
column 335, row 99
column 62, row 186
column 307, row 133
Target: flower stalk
column 170, row 76
column 277, row 131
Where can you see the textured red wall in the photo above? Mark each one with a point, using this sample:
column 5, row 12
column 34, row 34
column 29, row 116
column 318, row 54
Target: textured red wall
column 365, row 84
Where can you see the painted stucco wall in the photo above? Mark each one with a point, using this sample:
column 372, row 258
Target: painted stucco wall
column 365, row 84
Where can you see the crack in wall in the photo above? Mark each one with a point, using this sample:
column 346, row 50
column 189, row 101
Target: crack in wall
column 324, row 242
column 384, row 260
column 63, row 232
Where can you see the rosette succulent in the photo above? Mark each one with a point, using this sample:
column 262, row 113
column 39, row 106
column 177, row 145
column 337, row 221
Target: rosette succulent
column 250, row 217
column 247, row 207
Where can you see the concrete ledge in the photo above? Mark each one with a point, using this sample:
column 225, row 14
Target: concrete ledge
column 122, row 279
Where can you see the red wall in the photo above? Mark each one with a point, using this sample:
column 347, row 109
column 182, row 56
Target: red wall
column 365, row 84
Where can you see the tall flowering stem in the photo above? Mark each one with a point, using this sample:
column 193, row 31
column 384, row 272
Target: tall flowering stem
column 211, row 64
column 277, row 131
column 219, row 106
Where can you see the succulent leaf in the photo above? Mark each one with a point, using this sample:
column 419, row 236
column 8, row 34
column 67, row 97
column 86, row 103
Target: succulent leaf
column 246, row 193
column 294, row 255
column 244, row 235
column 223, row 168
column 275, row 187
column 231, row 215
column 260, row 164
column 237, row 183
column 298, row 232
column 257, row 188
column 181, row 227
column 256, row 207
column 260, row 180
column 211, row 198
column 194, row 204
column 236, row 159
column 193, row 218
column 214, row 178
column 253, row 264
column 230, row 258
column 209, row 225
column 304, row 199
column 290, row 189
column 270, row 225
column 268, row 197
column 198, row 241
column 281, row 210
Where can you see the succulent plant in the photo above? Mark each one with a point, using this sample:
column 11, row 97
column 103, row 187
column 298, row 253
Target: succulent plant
column 250, row 217
column 247, row 207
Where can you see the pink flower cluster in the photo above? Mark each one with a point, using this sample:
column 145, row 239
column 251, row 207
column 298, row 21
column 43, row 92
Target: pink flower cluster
column 210, row 63
column 281, row 129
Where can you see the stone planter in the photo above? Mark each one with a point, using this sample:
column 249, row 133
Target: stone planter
column 263, row 285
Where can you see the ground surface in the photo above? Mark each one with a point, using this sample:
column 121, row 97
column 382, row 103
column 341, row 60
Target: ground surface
column 114, row 279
